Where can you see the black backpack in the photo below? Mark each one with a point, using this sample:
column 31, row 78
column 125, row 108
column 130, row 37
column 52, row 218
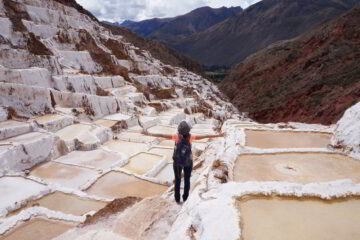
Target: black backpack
column 182, row 155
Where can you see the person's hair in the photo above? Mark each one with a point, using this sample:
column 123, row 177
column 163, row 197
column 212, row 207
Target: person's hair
column 184, row 129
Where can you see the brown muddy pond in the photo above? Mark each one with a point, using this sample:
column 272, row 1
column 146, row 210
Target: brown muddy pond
column 296, row 167
column 276, row 218
column 120, row 185
column 286, row 139
column 38, row 229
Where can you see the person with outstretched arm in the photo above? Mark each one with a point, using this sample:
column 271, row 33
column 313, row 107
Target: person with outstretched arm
column 182, row 155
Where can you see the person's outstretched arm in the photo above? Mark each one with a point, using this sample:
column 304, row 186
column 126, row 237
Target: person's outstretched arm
column 209, row 136
column 167, row 136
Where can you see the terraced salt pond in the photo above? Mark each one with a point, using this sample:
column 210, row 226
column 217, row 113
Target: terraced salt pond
column 106, row 123
column 167, row 143
column 38, row 229
column 73, row 131
column 25, row 138
column 16, row 189
column 162, row 130
column 65, row 175
column 141, row 163
column 167, row 173
column 129, row 148
column 296, row 167
column 66, row 203
column 120, row 185
column 286, row 139
column 278, row 218
column 12, row 128
column 259, row 126
column 54, row 122
column 135, row 137
column 167, row 152
column 97, row 158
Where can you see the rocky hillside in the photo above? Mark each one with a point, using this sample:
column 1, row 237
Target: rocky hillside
column 158, row 50
column 69, row 62
column 266, row 22
column 170, row 29
column 312, row 78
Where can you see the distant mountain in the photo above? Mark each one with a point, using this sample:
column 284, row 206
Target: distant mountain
column 157, row 49
column 266, row 22
column 313, row 78
column 126, row 23
column 195, row 21
column 146, row 27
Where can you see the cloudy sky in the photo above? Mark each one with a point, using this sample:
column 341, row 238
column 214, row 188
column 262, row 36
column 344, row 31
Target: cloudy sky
column 137, row 10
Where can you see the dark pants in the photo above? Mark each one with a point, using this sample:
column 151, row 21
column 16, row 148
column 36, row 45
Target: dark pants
column 187, row 174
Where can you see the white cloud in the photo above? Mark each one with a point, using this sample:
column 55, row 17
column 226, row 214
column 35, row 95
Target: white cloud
column 137, row 10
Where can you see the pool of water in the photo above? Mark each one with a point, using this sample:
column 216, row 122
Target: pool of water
column 66, row 203
column 105, row 123
column 276, row 218
column 296, row 167
column 167, row 152
column 162, row 130
column 252, row 126
column 286, row 139
column 65, row 175
column 141, row 163
column 167, row 143
column 120, row 185
column 97, row 158
column 135, row 137
column 129, row 148
column 38, row 229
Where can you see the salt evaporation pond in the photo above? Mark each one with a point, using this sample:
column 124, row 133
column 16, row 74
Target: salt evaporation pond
column 286, row 139
column 120, row 185
column 296, row 167
column 279, row 218
column 38, row 229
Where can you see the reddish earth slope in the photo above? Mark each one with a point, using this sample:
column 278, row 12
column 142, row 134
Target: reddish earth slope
column 313, row 78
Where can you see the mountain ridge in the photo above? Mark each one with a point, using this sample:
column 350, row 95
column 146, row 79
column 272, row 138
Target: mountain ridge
column 263, row 23
column 313, row 78
column 195, row 21
column 243, row 33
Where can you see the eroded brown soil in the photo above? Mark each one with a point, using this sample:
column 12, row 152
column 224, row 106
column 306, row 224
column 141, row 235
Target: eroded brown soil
column 116, row 206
